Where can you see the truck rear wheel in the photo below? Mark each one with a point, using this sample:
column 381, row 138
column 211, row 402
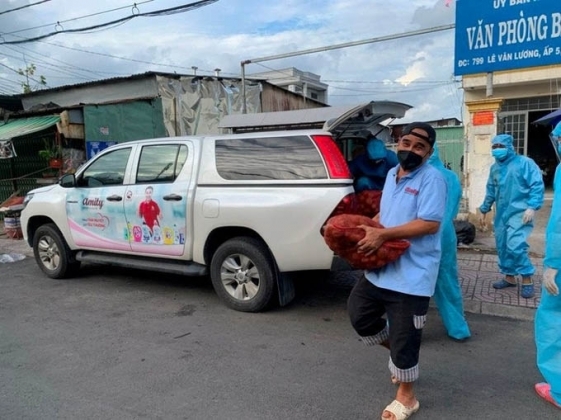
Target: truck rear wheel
column 244, row 274
column 52, row 254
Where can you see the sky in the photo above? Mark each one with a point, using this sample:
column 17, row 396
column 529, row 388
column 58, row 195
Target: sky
column 416, row 70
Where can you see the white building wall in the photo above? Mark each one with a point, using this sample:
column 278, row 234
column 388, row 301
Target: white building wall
column 477, row 160
column 296, row 81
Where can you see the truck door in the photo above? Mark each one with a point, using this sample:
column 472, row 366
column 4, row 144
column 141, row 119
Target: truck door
column 156, row 203
column 95, row 208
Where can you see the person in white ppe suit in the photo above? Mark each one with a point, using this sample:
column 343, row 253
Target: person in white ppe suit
column 516, row 187
column 548, row 314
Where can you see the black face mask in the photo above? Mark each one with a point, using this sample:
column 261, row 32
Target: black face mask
column 409, row 160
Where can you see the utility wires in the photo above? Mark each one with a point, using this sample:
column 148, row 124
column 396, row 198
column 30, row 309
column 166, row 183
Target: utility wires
column 23, row 7
column 60, row 22
column 163, row 12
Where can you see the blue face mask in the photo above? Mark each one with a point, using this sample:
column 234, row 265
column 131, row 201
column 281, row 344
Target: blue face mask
column 499, row 154
column 559, row 147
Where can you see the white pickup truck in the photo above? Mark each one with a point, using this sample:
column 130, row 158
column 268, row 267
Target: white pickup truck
column 244, row 208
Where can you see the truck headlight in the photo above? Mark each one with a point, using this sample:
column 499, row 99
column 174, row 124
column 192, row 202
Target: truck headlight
column 27, row 199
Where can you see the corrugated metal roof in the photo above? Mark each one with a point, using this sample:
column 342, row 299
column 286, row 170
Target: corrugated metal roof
column 136, row 76
column 23, row 126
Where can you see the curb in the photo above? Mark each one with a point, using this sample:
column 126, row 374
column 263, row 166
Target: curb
column 500, row 310
column 495, row 309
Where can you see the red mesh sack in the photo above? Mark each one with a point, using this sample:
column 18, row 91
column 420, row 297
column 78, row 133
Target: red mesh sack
column 368, row 202
column 341, row 235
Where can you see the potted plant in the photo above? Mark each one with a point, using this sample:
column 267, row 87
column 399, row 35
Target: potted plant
column 51, row 153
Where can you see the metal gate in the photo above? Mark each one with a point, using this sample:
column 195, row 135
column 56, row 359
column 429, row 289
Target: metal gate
column 515, row 124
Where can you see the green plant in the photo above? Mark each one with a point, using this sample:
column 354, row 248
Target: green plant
column 51, row 150
column 28, row 72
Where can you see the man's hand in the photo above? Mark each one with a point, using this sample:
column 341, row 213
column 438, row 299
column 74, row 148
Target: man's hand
column 528, row 216
column 373, row 239
column 483, row 221
column 549, row 281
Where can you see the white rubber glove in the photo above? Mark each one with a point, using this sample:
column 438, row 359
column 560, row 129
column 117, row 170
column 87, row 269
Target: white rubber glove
column 549, row 281
column 528, row 216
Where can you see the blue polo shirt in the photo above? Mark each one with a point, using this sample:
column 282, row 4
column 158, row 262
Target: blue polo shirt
column 420, row 194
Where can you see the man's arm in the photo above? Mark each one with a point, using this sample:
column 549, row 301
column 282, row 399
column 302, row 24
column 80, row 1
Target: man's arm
column 489, row 194
column 537, row 188
column 374, row 237
column 430, row 211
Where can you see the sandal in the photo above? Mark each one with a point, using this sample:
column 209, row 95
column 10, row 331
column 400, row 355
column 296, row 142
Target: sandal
column 527, row 290
column 503, row 284
column 399, row 411
column 544, row 391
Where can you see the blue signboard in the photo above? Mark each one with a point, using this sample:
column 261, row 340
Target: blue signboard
column 94, row 147
column 494, row 35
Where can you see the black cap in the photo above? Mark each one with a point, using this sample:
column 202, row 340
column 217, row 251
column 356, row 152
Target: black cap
column 408, row 129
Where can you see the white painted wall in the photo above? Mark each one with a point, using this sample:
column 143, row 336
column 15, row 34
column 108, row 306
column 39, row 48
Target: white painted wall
column 479, row 161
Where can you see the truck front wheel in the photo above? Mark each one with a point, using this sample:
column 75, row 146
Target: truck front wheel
column 52, row 254
column 244, row 274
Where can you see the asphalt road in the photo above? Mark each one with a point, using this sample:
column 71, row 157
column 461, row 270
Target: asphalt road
column 116, row 344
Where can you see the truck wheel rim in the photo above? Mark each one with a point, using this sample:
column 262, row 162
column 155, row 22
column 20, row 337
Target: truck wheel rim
column 240, row 277
column 49, row 254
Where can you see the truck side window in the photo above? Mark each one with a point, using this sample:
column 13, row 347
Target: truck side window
column 108, row 169
column 269, row 158
column 160, row 163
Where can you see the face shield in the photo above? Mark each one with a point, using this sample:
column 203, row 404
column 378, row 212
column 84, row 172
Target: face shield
column 556, row 142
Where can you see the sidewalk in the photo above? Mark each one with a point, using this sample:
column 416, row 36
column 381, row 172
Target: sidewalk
column 477, row 265
column 477, row 272
column 478, row 268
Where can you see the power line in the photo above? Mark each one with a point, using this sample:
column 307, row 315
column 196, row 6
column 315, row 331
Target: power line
column 121, row 58
column 163, row 12
column 34, row 59
column 9, row 80
column 60, row 22
column 351, row 44
column 403, row 91
column 335, row 47
column 392, row 89
column 48, row 65
column 67, row 65
column 384, row 81
column 16, row 71
column 23, row 7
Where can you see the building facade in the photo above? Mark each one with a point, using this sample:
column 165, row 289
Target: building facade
column 85, row 118
column 509, row 103
column 300, row 82
column 509, row 56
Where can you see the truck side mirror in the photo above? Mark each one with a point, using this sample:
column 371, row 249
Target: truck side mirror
column 68, row 181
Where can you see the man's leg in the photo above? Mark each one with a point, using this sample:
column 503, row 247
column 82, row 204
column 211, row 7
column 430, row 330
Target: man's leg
column 406, row 317
column 505, row 265
column 519, row 248
column 366, row 311
column 548, row 340
column 448, row 296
